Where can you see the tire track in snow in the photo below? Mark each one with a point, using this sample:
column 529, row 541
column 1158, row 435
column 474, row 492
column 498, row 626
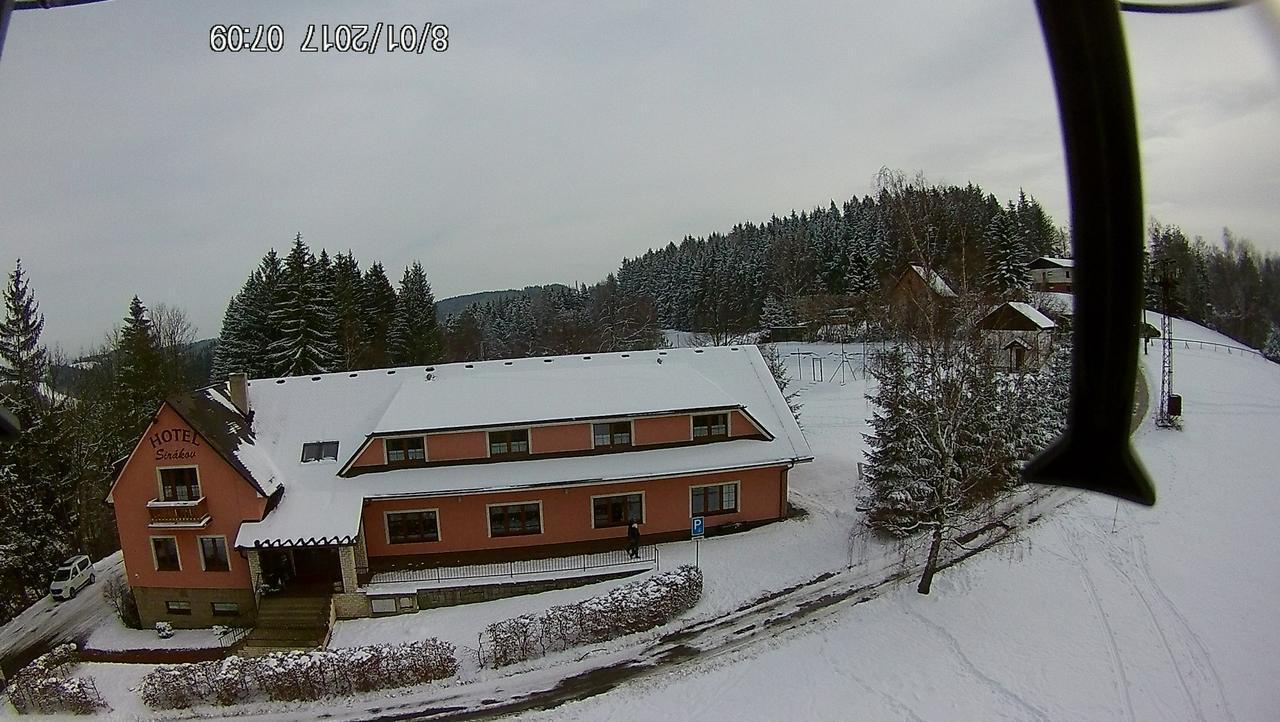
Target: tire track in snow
column 1144, row 563
column 972, row 668
column 1068, row 536
column 1194, row 647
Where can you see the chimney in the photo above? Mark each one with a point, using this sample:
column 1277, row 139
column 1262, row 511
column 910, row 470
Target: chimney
column 239, row 386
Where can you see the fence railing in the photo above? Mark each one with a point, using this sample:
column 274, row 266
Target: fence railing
column 576, row 562
column 1190, row 342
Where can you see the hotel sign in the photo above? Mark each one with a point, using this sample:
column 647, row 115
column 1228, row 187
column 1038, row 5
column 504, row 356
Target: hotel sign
column 162, row 442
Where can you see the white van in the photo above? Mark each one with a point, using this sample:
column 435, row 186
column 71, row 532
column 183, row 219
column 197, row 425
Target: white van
column 75, row 574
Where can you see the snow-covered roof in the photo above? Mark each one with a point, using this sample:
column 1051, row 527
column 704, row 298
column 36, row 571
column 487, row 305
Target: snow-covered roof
column 1015, row 316
column 347, row 407
column 1033, row 314
column 1050, row 261
column 550, row 389
column 935, row 281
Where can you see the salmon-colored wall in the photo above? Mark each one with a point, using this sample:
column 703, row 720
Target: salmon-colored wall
column 567, row 512
column 373, row 455
column 565, row 437
column 458, row 445
column 740, row 426
column 229, row 497
column 662, row 430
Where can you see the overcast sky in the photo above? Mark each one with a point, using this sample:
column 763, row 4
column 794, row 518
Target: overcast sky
column 553, row 138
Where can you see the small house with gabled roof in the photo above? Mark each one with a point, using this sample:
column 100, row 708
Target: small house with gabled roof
column 321, row 480
column 1020, row 335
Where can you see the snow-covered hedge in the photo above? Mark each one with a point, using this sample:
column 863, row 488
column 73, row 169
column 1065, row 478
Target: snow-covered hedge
column 630, row 608
column 298, row 675
column 41, row 687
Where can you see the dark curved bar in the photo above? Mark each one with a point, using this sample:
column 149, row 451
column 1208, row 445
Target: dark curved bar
column 1095, row 100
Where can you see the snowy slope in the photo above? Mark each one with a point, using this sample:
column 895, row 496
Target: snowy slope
column 1169, row 614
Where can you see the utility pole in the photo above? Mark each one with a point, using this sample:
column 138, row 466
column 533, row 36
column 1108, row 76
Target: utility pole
column 1169, row 409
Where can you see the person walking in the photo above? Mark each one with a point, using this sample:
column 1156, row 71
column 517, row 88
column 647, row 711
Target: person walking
column 633, row 539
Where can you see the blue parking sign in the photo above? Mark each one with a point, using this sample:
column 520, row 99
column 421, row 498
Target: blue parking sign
column 697, row 527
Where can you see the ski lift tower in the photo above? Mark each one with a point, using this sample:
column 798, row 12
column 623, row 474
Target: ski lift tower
column 1170, row 405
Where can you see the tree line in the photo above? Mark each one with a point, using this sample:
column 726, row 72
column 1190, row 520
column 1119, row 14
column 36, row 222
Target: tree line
column 1232, row 288
column 305, row 314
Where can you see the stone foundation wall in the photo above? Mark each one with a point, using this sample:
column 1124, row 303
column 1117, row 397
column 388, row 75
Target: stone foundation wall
column 152, row 607
column 351, row 606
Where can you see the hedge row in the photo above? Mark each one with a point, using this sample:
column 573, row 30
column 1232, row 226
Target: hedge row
column 298, row 675
column 41, row 687
column 627, row 609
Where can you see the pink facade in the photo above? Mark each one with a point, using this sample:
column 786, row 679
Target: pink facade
column 567, row 512
column 457, row 446
column 375, row 454
column 740, row 425
column 227, row 497
column 559, row 438
column 662, row 430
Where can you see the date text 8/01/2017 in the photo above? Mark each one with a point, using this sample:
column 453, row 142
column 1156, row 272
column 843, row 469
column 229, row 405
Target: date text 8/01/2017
column 340, row 38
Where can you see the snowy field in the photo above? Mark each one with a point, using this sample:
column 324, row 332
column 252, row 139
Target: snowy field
column 1107, row 611
column 1101, row 611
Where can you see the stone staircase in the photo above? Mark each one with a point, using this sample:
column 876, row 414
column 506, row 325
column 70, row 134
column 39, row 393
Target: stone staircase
column 287, row 623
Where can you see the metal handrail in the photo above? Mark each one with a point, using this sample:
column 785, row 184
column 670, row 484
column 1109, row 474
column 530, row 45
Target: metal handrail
column 1186, row 342
column 577, row 562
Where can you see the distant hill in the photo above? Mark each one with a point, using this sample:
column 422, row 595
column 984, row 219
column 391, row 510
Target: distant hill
column 453, row 305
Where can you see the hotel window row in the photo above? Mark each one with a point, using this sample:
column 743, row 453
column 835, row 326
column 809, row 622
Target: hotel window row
column 514, row 443
column 213, row 554
column 423, row 525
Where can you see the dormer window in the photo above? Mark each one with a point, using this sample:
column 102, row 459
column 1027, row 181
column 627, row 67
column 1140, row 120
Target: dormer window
column 508, row 443
column 710, row 426
column 614, row 435
column 319, row 451
column 409, row 448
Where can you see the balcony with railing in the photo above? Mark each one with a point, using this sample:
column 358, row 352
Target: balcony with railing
column 178, row 514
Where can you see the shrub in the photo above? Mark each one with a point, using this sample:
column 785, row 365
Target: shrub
column 164, row 630
column 296, row 676
column 630, row 608
column 120, row 596
column 41, row 686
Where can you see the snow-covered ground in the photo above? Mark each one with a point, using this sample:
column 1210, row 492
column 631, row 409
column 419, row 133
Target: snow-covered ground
column 1106, row 611
column 1102, row 611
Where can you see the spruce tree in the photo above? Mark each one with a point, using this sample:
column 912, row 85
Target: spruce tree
column 1006, row 257
column 1272, row 349
column 415, row 337
column 377, row 311
column 139, row 377
column 304, row 322
column 24, row 362
column 348, row 298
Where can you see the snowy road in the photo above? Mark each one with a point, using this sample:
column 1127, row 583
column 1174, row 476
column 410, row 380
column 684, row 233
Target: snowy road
column 47, row 622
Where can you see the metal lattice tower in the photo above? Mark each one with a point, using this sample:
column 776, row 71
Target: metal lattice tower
column 1167, row 283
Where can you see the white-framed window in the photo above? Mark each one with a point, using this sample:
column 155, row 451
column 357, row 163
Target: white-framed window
column 710, row 426
column 412, row 526
column 213, row 554
column 509, row 443
column 164, row 552
column 612, row 435
column 713, row 499
column 225, row 609
column 179, row 483
column 515, row 519
column 617, row 510
column 319, row 451
column 177, row 606
column 406, row 448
